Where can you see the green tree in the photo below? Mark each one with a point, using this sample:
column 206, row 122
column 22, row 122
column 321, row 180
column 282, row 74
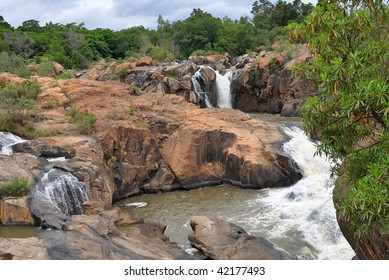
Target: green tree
column 4, row 24
column 31, row 25
column 20, row 43
column 198, row 32
column 349, row 43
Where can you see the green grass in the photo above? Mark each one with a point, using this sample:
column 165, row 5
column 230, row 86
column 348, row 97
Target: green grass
column 16, row 187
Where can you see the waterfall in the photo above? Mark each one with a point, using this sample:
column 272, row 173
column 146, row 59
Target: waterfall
column 222, row 87
column 64, row 190
column 57, row 195
column 306, row 209
column 198, row 90
column 7, row 140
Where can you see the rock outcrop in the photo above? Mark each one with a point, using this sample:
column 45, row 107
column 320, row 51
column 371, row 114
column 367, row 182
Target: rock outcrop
column 96, row 237
column 267, row 84
column 221, row 240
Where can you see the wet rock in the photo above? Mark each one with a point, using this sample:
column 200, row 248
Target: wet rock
column 221, row 240
column 41, row 149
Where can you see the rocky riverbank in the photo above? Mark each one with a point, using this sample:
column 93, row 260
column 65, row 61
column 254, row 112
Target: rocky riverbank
column 146, row 137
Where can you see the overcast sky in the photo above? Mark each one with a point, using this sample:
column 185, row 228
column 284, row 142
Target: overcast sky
column 116, row 14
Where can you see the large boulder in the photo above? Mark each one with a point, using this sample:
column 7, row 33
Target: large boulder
column 235, row 149
column 221, row 240
column 145, row 61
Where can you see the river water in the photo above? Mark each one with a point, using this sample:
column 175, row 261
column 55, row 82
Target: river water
column 299, row 219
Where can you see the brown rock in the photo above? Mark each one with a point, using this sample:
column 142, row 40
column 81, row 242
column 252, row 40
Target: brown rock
column 58, row 68
column 54, row 96
column 145, row 61
column 96, row 238
column 19, row 165
column 15, row 211
column 124, row 66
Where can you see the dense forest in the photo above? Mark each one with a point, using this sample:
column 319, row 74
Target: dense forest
column 74, row 46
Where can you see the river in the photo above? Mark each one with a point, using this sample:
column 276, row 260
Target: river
column 299, row 219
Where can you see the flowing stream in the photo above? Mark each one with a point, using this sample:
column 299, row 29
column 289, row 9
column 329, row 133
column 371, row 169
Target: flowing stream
column 299, row 219
column 223, row 91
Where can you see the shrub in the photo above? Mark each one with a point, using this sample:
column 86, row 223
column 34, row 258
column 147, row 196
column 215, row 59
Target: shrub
column 16, row 187
column 82, row 120
column 132, row 110
column 116, row 115
column 18, row 105
column 141, row 123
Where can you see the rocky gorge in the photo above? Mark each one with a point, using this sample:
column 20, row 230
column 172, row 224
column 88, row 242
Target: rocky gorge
column 153, row 132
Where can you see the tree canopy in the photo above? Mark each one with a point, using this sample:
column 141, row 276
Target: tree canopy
column 75, row 46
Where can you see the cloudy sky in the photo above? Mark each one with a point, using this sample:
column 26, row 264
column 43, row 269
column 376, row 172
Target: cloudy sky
column 116, row 14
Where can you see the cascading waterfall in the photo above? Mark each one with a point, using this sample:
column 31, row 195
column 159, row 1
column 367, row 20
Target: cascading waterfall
column 64, row 190
column 56, row 196
column 7, row 140
column 199, row 91
column 222, row 87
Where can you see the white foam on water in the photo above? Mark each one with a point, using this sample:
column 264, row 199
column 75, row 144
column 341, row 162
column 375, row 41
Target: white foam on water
column 136, row 204
column 306, row 208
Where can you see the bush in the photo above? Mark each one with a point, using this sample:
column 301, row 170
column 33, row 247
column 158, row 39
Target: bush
column 16, row 187
column 82, row 120
column 18, row 105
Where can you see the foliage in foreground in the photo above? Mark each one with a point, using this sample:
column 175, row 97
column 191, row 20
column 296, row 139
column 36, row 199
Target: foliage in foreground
column 349, row 41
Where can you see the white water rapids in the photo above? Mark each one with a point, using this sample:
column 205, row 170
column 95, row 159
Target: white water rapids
column 306, row 209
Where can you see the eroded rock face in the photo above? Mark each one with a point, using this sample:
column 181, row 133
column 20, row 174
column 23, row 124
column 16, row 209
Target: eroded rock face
column 221, row 240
